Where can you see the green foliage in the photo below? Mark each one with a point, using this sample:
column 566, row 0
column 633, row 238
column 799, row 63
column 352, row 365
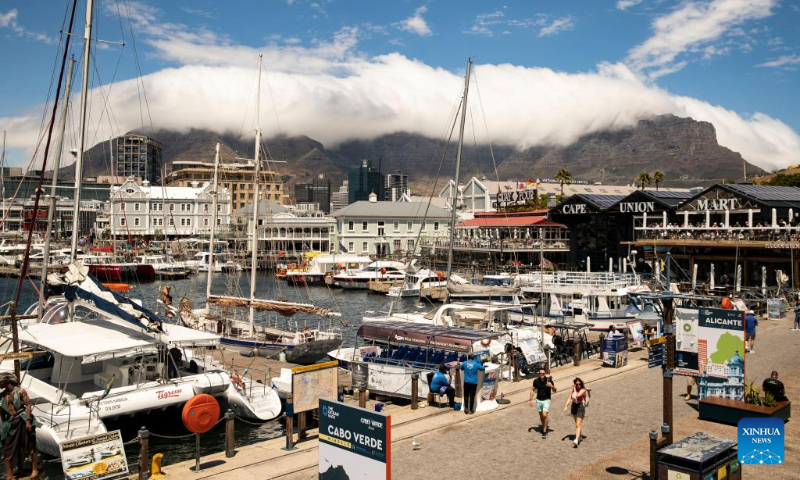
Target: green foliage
column 643, row 179
column 769, row 400
column 559, row 198
column 752, row 394
column 785, row 180
column 658, row 177
column 563, row 176
column 543, row 200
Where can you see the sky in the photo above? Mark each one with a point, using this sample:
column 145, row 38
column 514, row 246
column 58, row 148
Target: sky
column 545, row 71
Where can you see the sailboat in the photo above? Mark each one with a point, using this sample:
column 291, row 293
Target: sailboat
column 303, row 346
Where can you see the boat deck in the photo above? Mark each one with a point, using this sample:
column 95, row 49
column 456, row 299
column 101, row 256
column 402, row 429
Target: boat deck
column 262, row 368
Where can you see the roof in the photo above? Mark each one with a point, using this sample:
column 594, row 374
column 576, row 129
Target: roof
column 669, row 199
column 365, row 208
column 555, row 188
column 265, row 207
column 509, row 221
column 767, row 195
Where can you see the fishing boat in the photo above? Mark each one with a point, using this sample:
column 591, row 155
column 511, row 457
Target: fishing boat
column 383, row 270
column 321, row 266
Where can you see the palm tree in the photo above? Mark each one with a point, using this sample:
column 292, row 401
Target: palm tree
column 658, row 177
column 643, row 179
column 563, row 176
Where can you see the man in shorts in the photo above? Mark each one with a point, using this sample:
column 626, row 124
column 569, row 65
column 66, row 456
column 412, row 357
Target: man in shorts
column 750, row 324
column 543, row 386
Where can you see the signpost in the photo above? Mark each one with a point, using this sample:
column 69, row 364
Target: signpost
column 655, row 352
column 353, row 442
column 94, row 458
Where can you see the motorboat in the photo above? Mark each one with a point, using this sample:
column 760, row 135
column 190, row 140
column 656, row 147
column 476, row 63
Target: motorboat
column 383, row 270
column 111, row 269
column 415, row 281
column 321, row 266
column 165, row 266
column 223, row 262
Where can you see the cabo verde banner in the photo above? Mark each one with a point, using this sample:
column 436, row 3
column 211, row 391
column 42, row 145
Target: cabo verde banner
column 720, row 351
column 353, row 442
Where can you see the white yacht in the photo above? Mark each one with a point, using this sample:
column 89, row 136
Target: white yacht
column 223, row 262
column 165, row 266
column 385, row 270
column 321, row 266
column 416, row 281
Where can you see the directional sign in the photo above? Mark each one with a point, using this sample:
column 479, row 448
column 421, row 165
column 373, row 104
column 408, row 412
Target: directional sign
column 655, row 355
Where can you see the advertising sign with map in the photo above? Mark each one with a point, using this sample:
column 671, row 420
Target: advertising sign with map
column 353, row 442
column 94, row 458
column 720, row 351
column 312, row 383
column 686, row 326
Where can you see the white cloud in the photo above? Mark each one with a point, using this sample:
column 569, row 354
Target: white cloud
column 332, row 92
column 415, row 23
column 625, row 4
column 557, row 26
column 691, row 27
column 786, row 62
column 9, row 20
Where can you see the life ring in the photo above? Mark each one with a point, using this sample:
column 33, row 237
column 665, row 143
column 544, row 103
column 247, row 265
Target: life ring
column 383, row 271
column 440, row 276
column 200, row 413
column 486, row 341
column 727, row 303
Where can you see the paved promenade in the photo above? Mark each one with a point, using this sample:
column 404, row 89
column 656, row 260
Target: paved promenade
column 625, row 406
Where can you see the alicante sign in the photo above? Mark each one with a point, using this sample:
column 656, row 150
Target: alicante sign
column 637, row 207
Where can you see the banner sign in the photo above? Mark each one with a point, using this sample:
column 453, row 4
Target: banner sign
column 94, row 458
column 637, row 331
column 521, row 196
column 312, row 383
column 720, row 351
column 686, row 326
column 353, row 442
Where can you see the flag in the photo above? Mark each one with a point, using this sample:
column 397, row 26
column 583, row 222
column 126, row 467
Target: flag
column 530, row 182
column 546, row 264
column 342, row 248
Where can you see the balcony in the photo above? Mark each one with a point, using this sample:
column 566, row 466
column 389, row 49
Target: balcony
column 496, row 245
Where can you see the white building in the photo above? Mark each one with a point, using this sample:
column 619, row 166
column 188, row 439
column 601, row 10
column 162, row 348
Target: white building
column 145, row 210
column 288, row 230
column 388, row 228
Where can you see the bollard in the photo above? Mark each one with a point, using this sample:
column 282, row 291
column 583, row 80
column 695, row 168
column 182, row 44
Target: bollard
column 230, row 442
column 289, row 422
column 340, row 393
column 577, row 354
column 653, row 449
column 414, row 391
column 144, row 455
column 362, row 398
column 301, row 426
column 155, row 467
column 517, row 373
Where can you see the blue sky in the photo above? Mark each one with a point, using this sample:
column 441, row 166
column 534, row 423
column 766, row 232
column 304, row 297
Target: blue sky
column 674, row 56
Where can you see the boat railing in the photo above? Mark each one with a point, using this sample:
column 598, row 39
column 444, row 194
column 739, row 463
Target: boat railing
column 577, row 280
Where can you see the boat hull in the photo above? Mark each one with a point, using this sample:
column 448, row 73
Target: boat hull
column 303, row 354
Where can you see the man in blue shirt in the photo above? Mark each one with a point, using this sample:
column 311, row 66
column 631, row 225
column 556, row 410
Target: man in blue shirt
column 750, row 323
column 470, row 368
column 796, row 317
column 440, row 385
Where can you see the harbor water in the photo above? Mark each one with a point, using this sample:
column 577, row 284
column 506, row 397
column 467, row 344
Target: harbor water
column 167, row 432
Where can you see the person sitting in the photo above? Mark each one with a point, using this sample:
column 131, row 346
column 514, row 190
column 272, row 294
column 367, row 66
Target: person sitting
column 440, row 385
column 774, row 387
column 613, row 332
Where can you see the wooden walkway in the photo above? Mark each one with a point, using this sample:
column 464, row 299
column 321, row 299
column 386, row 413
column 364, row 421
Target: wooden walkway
column 261, row 368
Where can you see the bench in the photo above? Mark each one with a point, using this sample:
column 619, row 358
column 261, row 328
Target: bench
column 729, row 411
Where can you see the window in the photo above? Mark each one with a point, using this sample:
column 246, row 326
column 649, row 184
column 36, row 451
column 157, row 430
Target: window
column 397, row 245
column 424, row 226
column 122, row 221
column 188, row 222
column 157, row 207
column 435, row 226
column 350, row 226
column 219, row 221
column 396, row 226
column 350, row 246
column 205, row 222
column 171, row 222
column 129, row 191
column 381, row 229
column 205, row 208
column 364, row 226
column 136, row 221
column 171, row 207
column 410, row 245
column 136, row 206
column 409, row 227
column 364, row 247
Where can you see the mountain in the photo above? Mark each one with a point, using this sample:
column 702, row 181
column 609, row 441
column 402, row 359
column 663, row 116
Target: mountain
column 685, row 150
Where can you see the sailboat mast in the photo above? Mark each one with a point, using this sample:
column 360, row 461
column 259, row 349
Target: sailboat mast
column 214, row 194
column 454, row 201
column 2, row 175
column 53, row 192
column 254, row 245
column 87, row 60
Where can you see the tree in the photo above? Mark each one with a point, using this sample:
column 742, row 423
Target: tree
column 658, row 177
column 643, row 179
column 563, row 176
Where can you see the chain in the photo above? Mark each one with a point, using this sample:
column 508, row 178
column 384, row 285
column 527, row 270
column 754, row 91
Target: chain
column 131, row 441
column 255, row 424
column 172, row 437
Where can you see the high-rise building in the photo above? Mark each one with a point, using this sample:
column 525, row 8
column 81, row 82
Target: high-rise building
column 362, row 181
column 319, row 192
column 396, row 186
column 339, row 199
column 138, row 156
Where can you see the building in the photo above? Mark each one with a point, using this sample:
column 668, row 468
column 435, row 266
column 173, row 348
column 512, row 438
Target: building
column 137, row 156
column 152, row 211
column 363, row 181
column 20, row 217
column 339, row 199
column 395, row 187
column 318, row 192
column 267, row 209
column 388, row 228
column 24, row 185
column 237, row 177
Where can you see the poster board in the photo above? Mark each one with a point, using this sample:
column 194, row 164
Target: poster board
column 721, row 353
column 686, row 342
column 637, row 331
column 353, row 442
column 94, row 458
column 312, row 383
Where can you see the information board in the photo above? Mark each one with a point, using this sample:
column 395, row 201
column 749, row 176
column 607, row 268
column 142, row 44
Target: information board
column 94, row 458
column 721, row 353
column 655, row 352
column 312, row 383
column 686, row 342
column 353, row 442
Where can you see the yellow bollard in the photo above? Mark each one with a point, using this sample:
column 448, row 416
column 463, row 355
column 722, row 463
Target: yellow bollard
column 155, row 468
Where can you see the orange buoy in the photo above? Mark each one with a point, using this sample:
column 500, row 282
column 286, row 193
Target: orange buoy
column 117, row 287
column 200, row 413
column 383, row 271
column 727, row 303
column 440, row 276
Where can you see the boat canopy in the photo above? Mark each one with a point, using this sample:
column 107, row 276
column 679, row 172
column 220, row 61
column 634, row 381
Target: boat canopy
column 287, row 309
column 102, row 339
column 447, row 338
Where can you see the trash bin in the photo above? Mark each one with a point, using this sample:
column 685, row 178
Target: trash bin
column 699, row 457
column 615, row 351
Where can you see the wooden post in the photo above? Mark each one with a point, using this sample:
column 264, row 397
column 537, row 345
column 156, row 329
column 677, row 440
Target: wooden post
column 289, row 422
column 301, row 426
column 576, row 354
column 459, row 386
column 669, row 367
column 144, row 455
column 414, row 391
column 362, row 398
column 653, row 450
column 230, row 444
column 547, row 353
column 517, row 373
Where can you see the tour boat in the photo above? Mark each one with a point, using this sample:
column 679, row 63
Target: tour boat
column 384, row 270
column 223, row 262
column 165, row 266
column 321, row 266
column 110, row 269
column 416, row 281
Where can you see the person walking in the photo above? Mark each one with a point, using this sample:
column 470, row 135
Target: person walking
column 19, row 426
column 750, row 324
column 576, row 402
column 543, row 387
column 470, row 368
column 796, row 317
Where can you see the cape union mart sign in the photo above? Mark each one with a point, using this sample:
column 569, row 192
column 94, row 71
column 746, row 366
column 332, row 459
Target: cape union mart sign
column 574, row 209
column 637, row 207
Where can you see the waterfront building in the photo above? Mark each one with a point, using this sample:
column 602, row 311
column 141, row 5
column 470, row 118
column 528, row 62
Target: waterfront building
column 237, row 177
column 137, row 156
column 150, row 211
column 24, row 185
column 319, row 192
column 20, row 217
column 388, row 228
column 395, row 187
column 339, row 199
column 362, row 181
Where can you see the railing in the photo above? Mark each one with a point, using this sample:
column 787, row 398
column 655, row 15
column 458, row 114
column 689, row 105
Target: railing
column 720, row 232
column 572, row 279
column 507, row 244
